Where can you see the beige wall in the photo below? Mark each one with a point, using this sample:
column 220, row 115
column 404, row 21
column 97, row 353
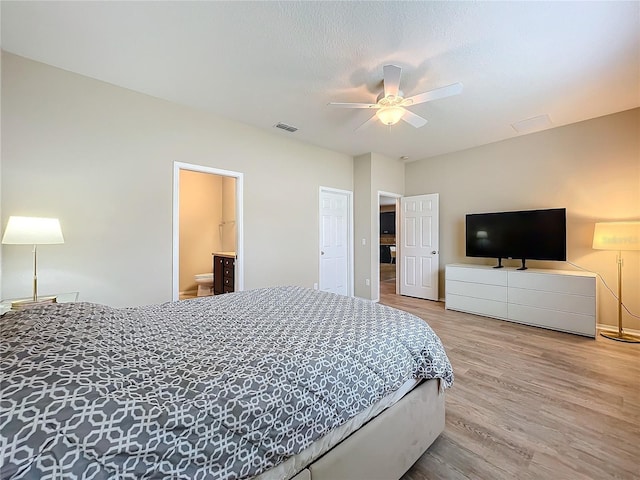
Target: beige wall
column 592, row 168
column 373, row 173
column 201, row 207
column 101, row 158
column 362, row 208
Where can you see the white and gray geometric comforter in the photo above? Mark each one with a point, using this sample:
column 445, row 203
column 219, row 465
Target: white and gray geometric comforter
column 213, row 388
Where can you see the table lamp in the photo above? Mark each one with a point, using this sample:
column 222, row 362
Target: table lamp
column 618, row 236
column 33, row 231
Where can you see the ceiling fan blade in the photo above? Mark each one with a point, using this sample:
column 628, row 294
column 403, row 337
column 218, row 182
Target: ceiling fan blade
column 367, row 123
column 391, row 80
column 353, row 105
column 413, row 119
column 436, row 93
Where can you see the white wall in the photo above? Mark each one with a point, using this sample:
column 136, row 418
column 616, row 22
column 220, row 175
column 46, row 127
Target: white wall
column 591, row 168
column 100, row 158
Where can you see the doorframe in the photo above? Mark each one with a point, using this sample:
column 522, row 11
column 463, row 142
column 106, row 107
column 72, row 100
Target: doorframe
column 349, row 195
column 397, row 196
column 239, row 264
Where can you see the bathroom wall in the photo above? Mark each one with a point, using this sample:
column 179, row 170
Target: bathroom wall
column 201, row 213
column 228, row 229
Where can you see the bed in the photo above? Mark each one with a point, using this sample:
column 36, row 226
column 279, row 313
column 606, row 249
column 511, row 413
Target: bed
column 275, row 383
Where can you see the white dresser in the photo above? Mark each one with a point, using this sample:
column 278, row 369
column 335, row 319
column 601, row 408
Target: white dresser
column 555, row 299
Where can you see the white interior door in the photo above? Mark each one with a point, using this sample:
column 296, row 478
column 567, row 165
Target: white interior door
column 335, row 235
column 419, row 252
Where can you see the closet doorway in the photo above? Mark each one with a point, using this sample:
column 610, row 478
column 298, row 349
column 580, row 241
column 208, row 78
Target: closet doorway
column 207, row 219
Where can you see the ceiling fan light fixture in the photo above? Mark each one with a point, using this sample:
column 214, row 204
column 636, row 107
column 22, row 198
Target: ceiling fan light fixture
column 390, row 115
column 390, row 103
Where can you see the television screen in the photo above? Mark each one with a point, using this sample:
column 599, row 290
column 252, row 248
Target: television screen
column 529, row 234
column 387, row 223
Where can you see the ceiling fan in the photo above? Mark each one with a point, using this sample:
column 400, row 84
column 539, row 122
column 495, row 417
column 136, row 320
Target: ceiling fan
column 391, row 106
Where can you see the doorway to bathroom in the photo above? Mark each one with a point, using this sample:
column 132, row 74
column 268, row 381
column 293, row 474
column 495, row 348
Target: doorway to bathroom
column 207, row 220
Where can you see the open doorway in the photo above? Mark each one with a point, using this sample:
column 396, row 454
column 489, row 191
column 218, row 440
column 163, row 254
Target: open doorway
column 207, row 221
column 387, row 265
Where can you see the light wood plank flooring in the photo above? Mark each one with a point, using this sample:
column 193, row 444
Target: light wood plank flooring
column 529, row 403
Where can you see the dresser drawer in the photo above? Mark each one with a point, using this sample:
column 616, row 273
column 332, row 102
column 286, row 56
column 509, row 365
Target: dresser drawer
column 478, row 306
column 486, row 276
column 227, row 262
column 545, row 282
column 561, row 302
column 228, row 272
column 476, row 290
column 553, row 319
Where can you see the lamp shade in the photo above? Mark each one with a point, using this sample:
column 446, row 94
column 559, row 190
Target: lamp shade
column 390, row 115
column 617, row 236
column 32, row 231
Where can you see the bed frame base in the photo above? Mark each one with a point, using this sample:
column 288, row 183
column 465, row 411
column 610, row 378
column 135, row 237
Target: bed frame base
column 387, row 446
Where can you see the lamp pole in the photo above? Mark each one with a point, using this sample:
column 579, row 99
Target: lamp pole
column 35, row 273
column 620, row 335
column 619, row 259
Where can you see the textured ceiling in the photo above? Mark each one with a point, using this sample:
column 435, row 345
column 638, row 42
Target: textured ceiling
column 267, row 62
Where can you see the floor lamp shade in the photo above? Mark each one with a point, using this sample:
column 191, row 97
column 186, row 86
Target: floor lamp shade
column 618, row 236
column 33, row 231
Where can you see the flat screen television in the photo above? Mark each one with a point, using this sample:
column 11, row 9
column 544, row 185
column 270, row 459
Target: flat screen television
column 387, row 223
column 523, row 235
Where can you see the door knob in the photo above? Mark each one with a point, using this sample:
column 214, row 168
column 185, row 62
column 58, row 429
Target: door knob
column 321, row 253
column 434, row 252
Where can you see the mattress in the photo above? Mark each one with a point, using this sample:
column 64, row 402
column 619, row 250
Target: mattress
column 222, row 387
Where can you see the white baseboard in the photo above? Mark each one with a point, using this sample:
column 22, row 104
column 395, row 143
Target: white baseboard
column 614, row 328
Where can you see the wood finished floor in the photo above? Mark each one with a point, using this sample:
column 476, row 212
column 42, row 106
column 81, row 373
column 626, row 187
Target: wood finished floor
column 529, row 403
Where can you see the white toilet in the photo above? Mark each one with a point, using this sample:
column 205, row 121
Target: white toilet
column 205, row 284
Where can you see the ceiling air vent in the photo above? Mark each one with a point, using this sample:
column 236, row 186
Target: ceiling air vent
column 286, row 127
column 534, row 124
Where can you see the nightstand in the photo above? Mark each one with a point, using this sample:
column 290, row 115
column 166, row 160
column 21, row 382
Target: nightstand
column 69, row 297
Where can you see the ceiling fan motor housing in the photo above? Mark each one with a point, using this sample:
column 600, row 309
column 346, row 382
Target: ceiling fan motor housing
column 390, row 101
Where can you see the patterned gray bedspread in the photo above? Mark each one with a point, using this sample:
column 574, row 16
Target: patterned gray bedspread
column 213, row 388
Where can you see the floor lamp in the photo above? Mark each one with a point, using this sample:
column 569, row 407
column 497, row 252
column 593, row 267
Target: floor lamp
column 33, row 231
column 618, row 236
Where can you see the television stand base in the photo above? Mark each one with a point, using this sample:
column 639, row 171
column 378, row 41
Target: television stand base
column 523, row 267
column 499, row 265
column 554, row 299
